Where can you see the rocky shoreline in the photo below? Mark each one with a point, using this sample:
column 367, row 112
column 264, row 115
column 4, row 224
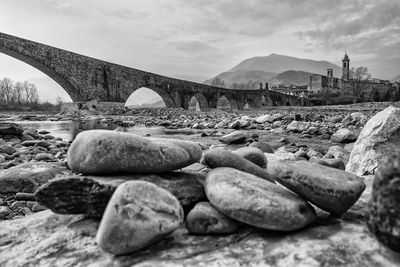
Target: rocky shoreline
column 277, row 171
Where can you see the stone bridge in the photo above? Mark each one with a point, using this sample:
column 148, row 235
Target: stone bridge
column 85, row 78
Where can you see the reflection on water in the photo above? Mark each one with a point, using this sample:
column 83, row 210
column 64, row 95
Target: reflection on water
column 67, row 130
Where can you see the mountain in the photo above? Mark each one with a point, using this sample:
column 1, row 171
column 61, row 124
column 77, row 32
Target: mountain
column 291, row 77
column 244, row 76
column 266, row 69
column 395, row 79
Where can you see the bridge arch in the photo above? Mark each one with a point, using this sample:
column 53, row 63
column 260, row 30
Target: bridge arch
column 228, row 102
column 200, row 101
column 250, row 104
column 166, row 98
column 68, row 84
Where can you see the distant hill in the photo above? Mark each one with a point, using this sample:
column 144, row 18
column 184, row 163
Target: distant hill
column 397, row 78
column 291, row 77
column 276, row 69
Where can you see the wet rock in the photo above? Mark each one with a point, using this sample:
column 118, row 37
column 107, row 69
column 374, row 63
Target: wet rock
column 28, row 176
column 25, row 196
column 265, row 147
column 253, row 154
column 138, row 215
column 330, row 189
column 378, row 139
column 254, row 201
column 215, row 158
column 343, row 136
column 10, row 129
column 333, row 163
column 383, row 214
column 236, row 137
column 105, row 152
column 205, row 219
column 90, row 194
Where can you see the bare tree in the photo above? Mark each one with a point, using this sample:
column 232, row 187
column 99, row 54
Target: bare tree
column 18, row 92
column 6, row 88
column 359, row 81
column 218, row 82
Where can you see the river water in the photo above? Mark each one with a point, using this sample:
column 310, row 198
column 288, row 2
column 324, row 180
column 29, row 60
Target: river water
column 67, row 130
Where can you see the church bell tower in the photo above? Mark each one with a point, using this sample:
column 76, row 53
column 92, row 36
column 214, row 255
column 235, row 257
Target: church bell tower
column 345, row 67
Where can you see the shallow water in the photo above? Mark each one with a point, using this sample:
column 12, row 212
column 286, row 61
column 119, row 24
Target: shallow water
column 67, row 130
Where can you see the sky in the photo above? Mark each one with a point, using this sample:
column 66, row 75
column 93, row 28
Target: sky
column 199, row 39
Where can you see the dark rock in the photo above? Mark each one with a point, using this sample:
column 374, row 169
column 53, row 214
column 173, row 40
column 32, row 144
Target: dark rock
column 90, row 194
column 10, row 129
column 383, row 214
column 25, row 196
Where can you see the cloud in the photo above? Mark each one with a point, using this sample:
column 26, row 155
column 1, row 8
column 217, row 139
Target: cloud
column 192, row 46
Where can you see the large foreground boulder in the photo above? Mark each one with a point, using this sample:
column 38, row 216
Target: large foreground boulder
column 104, row 152
column 254, row 201
column 48, row 239
column 330, row 189
column 379, row 138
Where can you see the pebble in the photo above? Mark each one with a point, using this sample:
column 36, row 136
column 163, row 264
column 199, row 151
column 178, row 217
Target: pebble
column 205, row 219
column 215, row 158
column 383, row 215
column 236, row 137
column 4, row 212
column 330, row 189
column 254, row 201
column 138, row 215
column 253, row 154
column 105, row 152
column 44, row 157
column 25, row 196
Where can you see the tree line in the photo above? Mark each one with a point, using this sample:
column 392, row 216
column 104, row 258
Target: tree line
column 218, row 82
column 19, row 93
column 23, row 95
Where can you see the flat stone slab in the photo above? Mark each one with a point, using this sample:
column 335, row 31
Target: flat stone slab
column 47, row 239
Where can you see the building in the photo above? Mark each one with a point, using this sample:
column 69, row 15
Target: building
column 331, row 90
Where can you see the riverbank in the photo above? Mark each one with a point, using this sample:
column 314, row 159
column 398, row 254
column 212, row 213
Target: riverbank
column 36, row 159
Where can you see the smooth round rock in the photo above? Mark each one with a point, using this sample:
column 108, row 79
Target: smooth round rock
column 253, row 154
column 138, row 214
column 330, row 189
column 265, row 147
column 383, row 214
column 236, row 137
column 254, row 201
column 215, row 158
column 205, row 219
column 105, row 152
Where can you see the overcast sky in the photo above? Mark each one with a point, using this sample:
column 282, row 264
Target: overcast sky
column 206, row 37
